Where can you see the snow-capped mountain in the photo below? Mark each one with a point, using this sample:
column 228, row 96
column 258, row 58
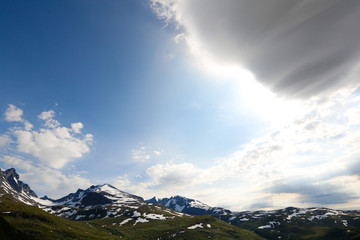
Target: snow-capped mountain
column 102, row 201
column 9, row 181
column 105, row 201
column 97, row 195
column 109, row 214
column 189, row 206
column 276, row 224
column 96, row 202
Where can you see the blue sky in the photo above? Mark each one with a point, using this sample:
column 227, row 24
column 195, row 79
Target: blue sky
column 169, row 97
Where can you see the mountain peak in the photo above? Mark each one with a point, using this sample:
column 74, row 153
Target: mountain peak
column 10, row 181
column 153, row 200
column 11, row 173
column 189, row 206
column 46, row 198
column 107, row 187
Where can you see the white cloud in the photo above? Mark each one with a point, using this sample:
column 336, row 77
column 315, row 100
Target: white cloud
column 314, row 149
column 55, row 147
column 54, row 183
column 140, row 154
column 5, row 140
column 125, row 184
column 13, row 114
column 157, row 153
column 53, row 144
column 45, row 180
column 290, row 46
column 122, row 183
column 353, row 115
column 173, row 175
column 17, row 162
column 77, row 127
column 145, row 153
column 48, row 117
column 28, row 126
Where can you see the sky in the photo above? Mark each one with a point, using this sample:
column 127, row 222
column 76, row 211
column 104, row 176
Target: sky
column 246, row 105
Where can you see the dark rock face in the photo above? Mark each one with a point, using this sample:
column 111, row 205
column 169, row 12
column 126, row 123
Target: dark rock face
column 71, row 197
column 152, row 200
column 94, row 198
column 46, row 198
column 12, row 178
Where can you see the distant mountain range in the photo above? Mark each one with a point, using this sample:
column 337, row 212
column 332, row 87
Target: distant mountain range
column 99, row 212
column 190, row 206
column 119, row 213
column 290, row 222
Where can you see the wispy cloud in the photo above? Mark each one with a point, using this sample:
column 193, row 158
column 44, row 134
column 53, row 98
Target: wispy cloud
column 309, row 156
column 5, row 140
column 303, row 51
column 140, row 154
column 145, row 153
column 297, row 48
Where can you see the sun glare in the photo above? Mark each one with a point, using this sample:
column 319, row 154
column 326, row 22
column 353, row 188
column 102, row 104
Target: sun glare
column 252, row 95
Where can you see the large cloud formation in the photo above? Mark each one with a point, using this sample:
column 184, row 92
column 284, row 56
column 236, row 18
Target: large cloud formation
column 297, row 48
column 41, row 153
column 52, row 144
column 312, row 161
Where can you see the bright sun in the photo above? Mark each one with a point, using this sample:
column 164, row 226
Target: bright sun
column 254, row 96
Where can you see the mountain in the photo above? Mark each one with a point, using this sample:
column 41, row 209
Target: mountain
column 97, row 202
column 288, row 223
column 189, row 206
column 105, row 212
column 100, row 212
column 9, row 181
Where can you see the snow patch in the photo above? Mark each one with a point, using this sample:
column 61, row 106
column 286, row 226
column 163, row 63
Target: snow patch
column 295, row 214
column 321, row 216
column 232, row 218
column 178, row 214
column 141, row 220
column 154, row 216
column 136, row 214
column 200, row 225
column 198, row 204
column 265, row 226
column 125, row 221
column 79, row 216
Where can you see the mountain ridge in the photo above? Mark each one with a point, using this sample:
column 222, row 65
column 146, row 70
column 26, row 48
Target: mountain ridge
column 278, row 223
column 189, row 206
column 115, row 208
column 101, row 212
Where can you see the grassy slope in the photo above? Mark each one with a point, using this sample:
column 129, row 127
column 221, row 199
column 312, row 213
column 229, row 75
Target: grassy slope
column 176, row 228
column 20, row 221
